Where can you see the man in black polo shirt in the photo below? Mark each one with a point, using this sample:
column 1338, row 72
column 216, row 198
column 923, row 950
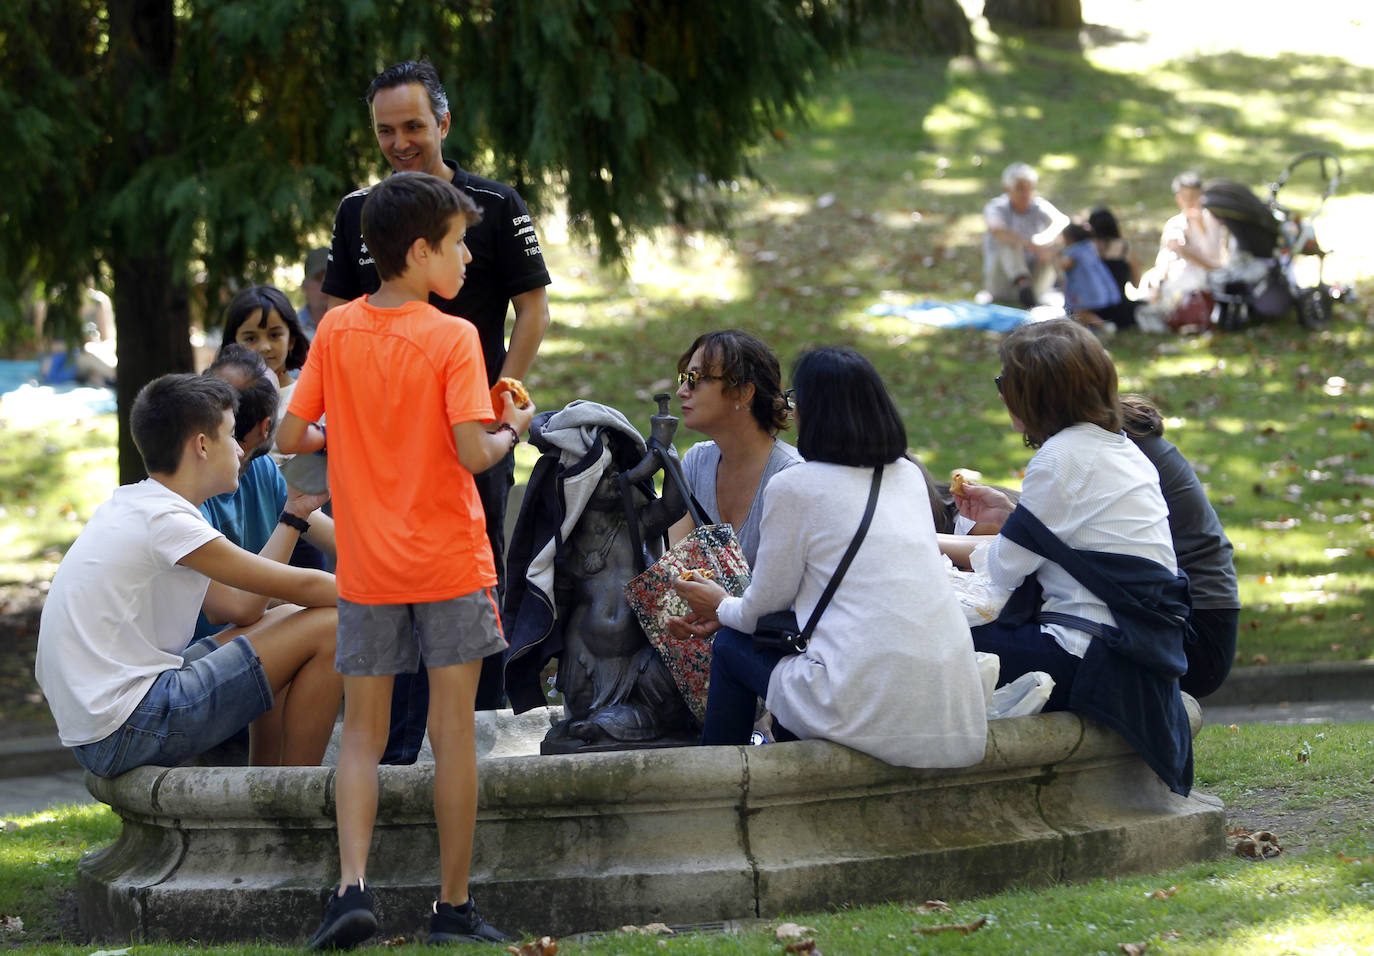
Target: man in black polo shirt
column 410, row 117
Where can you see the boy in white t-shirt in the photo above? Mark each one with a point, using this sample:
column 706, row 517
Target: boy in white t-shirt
column 112, row 656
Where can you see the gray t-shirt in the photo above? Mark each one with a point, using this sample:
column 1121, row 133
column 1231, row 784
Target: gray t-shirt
column 1204, row 551
column 699, row 467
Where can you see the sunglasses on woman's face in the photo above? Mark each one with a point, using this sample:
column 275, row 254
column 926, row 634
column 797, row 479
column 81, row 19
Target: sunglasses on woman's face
column 692, row 378
column 789, row 395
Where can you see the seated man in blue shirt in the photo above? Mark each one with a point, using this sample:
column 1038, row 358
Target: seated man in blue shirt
column 263, row 515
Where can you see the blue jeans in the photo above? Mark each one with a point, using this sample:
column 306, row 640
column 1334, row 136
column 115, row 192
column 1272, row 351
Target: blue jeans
column 187, row 711
column 739, row 677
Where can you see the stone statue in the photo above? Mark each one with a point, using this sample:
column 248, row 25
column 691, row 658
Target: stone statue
column 617, row 692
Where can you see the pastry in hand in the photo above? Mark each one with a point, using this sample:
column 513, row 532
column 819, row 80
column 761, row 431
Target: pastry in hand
column 518, row 394
column 697, row 574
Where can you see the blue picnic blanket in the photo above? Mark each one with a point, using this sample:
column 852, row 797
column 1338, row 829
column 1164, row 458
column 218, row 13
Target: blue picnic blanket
column 23, row 399
column 957, row 315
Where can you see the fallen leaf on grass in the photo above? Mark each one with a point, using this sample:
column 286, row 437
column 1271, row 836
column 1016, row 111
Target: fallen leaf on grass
column 1354, row 859
column 933, row 906
column 1260, row 659
column 1260, row 845
column 791, row 931
column 1133, row 949
column 1171, row 934
column 543, row 946
column 1164, row 894
column 962, row 928
column 805, row 947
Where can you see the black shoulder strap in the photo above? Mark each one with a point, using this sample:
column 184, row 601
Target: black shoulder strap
column 848, row 555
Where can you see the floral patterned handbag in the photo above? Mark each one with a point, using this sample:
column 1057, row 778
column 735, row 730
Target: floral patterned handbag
column 713, row 547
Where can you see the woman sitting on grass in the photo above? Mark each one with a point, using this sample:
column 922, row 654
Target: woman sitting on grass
column 889, row 669
column 1098, row 603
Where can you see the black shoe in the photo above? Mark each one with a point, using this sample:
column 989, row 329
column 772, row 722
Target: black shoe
column 451, row 924
column 1026, row 294
column 348, row 920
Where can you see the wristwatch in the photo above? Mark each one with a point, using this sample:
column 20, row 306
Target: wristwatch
column 291, row 521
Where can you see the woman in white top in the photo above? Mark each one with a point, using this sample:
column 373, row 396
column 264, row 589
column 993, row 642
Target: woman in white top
column 890, row 668
column 730, row 387
column 1087, row 482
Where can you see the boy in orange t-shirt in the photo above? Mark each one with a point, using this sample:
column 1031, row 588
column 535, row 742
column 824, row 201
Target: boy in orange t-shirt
column 410, row 422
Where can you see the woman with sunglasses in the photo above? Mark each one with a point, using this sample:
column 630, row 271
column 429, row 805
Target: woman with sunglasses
column 730, row 387
column 889, row 669
column 1091, row 527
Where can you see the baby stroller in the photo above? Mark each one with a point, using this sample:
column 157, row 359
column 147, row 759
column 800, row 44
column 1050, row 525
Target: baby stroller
column 1261, row 281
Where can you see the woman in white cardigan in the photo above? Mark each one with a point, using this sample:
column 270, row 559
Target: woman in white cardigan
column 890, row 667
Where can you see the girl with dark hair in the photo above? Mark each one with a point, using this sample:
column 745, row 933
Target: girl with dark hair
column 1092, row 500
column 261, row 318
column 889, row 669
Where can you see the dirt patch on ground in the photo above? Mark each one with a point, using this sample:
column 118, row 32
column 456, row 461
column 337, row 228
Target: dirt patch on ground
column 1298, row 828
column 23, row 711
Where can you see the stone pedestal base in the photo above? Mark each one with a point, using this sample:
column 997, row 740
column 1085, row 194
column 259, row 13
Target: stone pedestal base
column 595, row 841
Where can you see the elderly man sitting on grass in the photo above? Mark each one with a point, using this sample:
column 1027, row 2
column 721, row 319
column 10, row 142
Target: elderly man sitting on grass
column 1018, row 247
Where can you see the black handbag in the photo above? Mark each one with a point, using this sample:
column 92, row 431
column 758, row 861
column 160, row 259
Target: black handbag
column 777, row 631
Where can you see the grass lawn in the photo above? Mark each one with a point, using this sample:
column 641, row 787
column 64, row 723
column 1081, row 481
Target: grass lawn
column 1308, row 785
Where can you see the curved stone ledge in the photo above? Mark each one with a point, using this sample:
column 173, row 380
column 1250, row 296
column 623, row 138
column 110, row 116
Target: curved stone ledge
column 685, row 835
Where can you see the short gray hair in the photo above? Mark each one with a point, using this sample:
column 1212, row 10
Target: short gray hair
column 1016, row 172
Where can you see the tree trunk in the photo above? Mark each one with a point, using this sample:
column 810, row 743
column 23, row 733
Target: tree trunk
column 153, row 333
column 933, row 27
column 1059, row 14
column 153, row 330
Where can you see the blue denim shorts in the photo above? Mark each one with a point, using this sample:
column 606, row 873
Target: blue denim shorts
column 216, row 692
column 379, row 639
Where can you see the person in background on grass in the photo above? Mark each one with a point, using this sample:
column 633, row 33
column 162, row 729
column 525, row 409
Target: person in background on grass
column 1018, row 247
column 1204, row 552
column 410, row 424
column 316, row 305
column 1115, row 253
column 1192, row 244
column 890, row 669
column 1088, row 286
column 113, row 661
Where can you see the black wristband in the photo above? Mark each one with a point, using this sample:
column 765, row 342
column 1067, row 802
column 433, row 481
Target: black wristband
column 508, row 427
column 291, row 521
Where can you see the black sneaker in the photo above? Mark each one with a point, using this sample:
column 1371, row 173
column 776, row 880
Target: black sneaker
column 1026, row 294
column 452, row 924
column 348, row 920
